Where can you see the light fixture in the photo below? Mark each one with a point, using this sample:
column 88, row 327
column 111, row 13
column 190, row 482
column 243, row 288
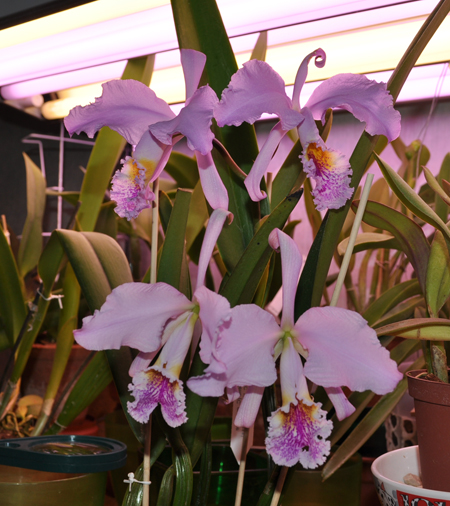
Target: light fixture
column 130, row 35
column 361, row 36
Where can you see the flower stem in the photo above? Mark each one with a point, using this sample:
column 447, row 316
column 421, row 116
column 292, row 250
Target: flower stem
column 279, row 486
column 351, row 242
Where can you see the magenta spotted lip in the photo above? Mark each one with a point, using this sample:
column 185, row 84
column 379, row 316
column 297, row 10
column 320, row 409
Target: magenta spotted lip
column 388, row 471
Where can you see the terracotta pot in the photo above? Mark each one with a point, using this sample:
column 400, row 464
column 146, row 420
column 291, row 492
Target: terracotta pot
column 432, row 406
column 37, row 373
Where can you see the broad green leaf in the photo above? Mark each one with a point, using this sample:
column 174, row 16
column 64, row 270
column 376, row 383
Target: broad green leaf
column 438, row 275
column 106, row 153
column 379, row 192
column 368, row 425
column 420, row 41
column 389, row 299
column 100, row 265
column 410, row 198
column 435, row 186
column 87, row 266
column 440, row 206
column 172, row 267
column 409, row 235
column 289, row 177
column 402, row 311
column 31, row 242
column 12, row 304
column 183, row 169
column 241, row 286
column 71, row 197
column 198, row 214
column 433, row 329
column 260, row 49
column 200, row 412
column 369, row 240
column 199, row 26
column 68, row 322
column 94, row 379
column 112, row 258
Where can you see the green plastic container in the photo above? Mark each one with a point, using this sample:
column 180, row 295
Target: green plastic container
column 23, row 487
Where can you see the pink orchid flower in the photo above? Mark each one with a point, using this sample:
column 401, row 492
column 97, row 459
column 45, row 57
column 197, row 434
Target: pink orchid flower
column 148, row 123
column 257, row 88
column 157, row 317
column 339, row 349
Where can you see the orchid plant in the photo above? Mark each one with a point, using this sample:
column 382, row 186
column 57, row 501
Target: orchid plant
column 197, row 342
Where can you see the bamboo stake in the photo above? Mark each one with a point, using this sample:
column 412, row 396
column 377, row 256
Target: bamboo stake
column 351, row 242
column 279, row 486
column 153, row 277
column 241, row 475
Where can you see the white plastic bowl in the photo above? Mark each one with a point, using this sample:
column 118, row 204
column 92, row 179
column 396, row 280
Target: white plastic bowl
column 389, row 470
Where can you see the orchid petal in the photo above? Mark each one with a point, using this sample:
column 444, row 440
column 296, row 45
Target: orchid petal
column 153, row 387
column 291, row 262
column 148, row 153
column 129, row 190
column 344, row 351
column 194, row 121
column 193, row 63
column 246, row 349
column 253, row 90
column 367, row 100
column 232, row 394
column 329, row 169
column 298, row 433
column 175, row 349
column 134, row 315
column 128, row 107
column 212, row 185
column 248, row 410
column 341, row 404
column 292, row 379
column 141, row 362
column 302, row 72
column 253, row 180
column 213, row 229
column 215, row 314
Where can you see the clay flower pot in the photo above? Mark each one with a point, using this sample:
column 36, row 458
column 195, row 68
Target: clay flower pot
column 432, row 406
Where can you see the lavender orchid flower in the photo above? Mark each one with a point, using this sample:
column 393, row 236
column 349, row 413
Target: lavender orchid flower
column 153, row 317
column 339, row 349
column 147, row 122
column 257, row 89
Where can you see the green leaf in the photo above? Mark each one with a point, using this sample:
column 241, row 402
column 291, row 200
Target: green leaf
column 289, row 177
column 410, row 198
column 172, row 267
column 260, row 49
column 409, row 235
column 438, row 275
column 433, row 329
column 420, row 41
column 440, row 206
column 369, row 240
column 402, row 311
column 198, row 214
column 435, row 186
column 12, row 304
column 183, row 169
column 94, row 379
column 199, row 26
column 241, row 286
column 31, row 242
column 389, row 299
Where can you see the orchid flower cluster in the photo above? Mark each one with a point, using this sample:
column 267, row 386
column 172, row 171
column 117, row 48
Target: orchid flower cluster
column 240, row 345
